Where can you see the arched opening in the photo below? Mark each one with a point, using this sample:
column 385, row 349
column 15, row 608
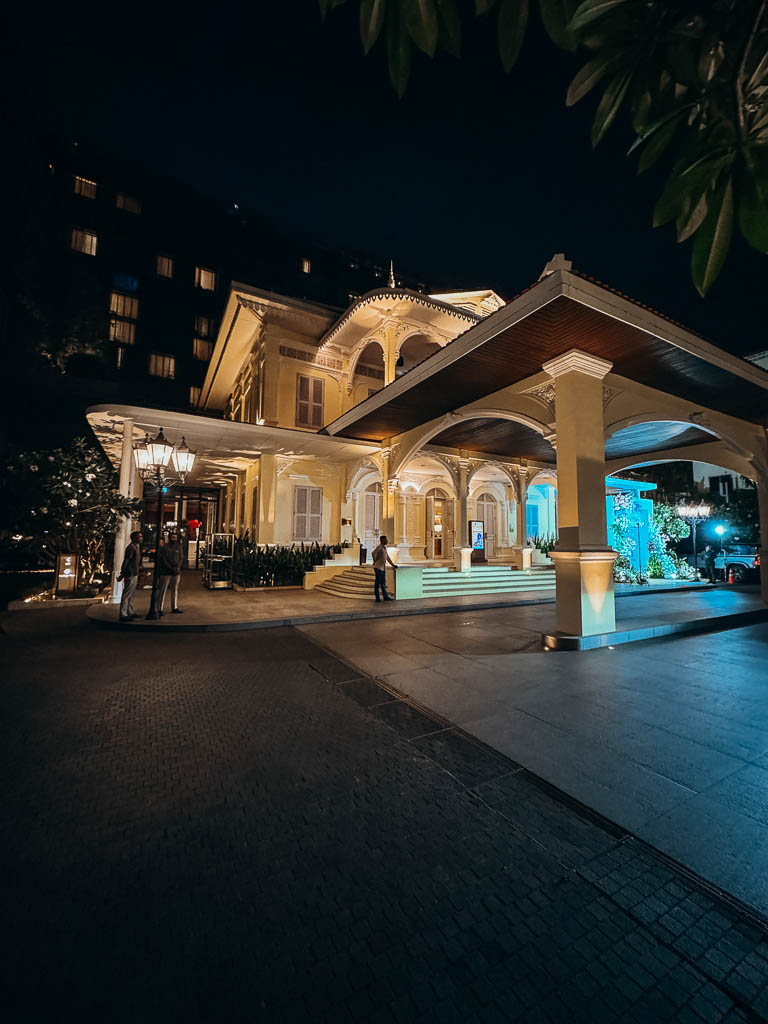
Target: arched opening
column 540, row 513
column 413, row 351
column 368, row 372
column 439, row 524
column 371, row 531
column 487, row 511
column 731, row 529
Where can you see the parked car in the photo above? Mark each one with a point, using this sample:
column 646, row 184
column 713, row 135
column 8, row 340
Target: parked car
column 743, row 559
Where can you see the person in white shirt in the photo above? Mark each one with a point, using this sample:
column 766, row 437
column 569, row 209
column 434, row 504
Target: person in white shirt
column 380, row 559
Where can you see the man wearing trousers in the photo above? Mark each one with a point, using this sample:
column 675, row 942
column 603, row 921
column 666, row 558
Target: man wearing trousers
column 171, row 556
column 380, row 559
column 129, row 575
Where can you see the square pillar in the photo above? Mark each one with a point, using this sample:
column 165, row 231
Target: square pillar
column 266, row 498
column 126, row 488
column 583, row 559
column 762, row 505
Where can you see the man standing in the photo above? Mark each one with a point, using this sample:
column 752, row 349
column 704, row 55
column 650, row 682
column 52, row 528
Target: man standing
column 129, row 574
column 708, row 560
column 380, row 559
column 171, row 556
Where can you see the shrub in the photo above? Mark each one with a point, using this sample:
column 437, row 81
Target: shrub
column 257, row 565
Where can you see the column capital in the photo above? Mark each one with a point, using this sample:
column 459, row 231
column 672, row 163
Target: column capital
column 577, row 361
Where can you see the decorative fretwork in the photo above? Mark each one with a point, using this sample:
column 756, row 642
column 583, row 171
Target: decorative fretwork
column 316, row 358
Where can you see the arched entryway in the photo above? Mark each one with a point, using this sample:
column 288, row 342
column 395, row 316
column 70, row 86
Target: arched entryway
column 439, row 526
column 488, row 512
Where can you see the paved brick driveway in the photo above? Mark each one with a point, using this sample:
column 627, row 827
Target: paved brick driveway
column 238, row 827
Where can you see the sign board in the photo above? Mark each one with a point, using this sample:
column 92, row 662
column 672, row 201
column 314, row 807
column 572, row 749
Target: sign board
column 476, row 534
column 66, row 573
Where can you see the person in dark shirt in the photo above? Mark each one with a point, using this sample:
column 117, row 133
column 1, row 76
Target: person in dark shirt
column 129, row 577
column 171, row 556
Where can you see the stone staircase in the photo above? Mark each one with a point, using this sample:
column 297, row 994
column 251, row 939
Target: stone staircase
column 357, row 582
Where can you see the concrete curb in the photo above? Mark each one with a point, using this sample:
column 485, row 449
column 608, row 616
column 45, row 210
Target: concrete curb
column 691, row 627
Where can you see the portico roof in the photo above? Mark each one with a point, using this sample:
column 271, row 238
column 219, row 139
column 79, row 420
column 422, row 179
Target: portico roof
column 221, row 446
column 562, row 311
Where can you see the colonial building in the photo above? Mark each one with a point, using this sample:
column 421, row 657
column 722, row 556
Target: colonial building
column 414, row 414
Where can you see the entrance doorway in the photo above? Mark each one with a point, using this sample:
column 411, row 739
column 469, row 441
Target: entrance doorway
column 439, row 524
column 487, row 511
column 372, row 528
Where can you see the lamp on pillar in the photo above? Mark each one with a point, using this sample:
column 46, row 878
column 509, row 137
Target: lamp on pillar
column 151, row 460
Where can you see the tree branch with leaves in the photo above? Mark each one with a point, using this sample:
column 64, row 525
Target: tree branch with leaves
column 692, row 79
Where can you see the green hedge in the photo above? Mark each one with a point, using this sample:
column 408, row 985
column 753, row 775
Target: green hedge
column 277, row 566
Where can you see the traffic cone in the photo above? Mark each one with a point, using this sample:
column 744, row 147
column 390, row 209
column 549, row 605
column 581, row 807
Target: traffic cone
column 730, row 575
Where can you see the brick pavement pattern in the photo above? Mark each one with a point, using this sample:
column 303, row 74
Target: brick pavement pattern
column 223, row 827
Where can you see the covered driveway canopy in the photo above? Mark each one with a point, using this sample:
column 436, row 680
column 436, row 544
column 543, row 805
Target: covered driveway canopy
column 222, row 446
column 564, row 310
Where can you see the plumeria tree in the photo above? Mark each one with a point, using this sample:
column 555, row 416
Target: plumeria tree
column 63, row 501
column 691, row 78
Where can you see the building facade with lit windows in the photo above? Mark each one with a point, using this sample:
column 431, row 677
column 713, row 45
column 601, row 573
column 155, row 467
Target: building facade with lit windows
column 417, row 415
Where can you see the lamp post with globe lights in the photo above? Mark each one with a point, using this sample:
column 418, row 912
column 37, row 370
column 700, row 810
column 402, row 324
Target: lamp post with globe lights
column 694, row 514
column 151, row 459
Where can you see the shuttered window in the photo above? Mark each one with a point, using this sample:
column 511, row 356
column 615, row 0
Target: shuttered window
column 307, row 513
column 309, row 402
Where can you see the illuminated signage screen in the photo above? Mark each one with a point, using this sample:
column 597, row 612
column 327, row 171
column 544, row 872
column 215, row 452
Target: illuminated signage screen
column 476, row 531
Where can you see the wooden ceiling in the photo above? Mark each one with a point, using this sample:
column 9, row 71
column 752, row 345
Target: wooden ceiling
column 497, row 437
column 519, row 352
column 651, row 437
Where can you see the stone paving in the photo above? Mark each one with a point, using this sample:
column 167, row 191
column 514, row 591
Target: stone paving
column 668, row 738
column 218, row 827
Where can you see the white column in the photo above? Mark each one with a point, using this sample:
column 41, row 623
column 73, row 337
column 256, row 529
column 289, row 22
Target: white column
column 762, row 505
column 462, row 552
column 125, row 486
column 358, row 533
column 583, row 559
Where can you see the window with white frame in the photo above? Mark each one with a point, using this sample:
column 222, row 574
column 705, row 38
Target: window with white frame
column 164, row 266
column 202, row 349
column 205, row 278
column 307, row 513
column 122, row 330
column 306, row 266
column 124, row 305
column 84, row 241
column 204, row 326
column 129, row 203
column 161, row 365
column 309, row 401
column 85, row 187
column 194, row 395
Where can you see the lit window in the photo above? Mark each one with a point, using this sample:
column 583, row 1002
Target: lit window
column 205, row 278
column 309, row 401
column 194, row 395
column 204, row 326
column 124, row 305
column 122, row 330
column 120, row 354
column 162, row 366
column 306, row 266
column 129, row 203
column 84, row 241
column 85, row 187
column 202, row 349
column 165, row 266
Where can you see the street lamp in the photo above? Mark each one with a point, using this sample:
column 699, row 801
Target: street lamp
column 695, row 514
column 151, row 459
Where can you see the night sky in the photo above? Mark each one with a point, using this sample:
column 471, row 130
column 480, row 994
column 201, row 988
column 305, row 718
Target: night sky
column 474, row 179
